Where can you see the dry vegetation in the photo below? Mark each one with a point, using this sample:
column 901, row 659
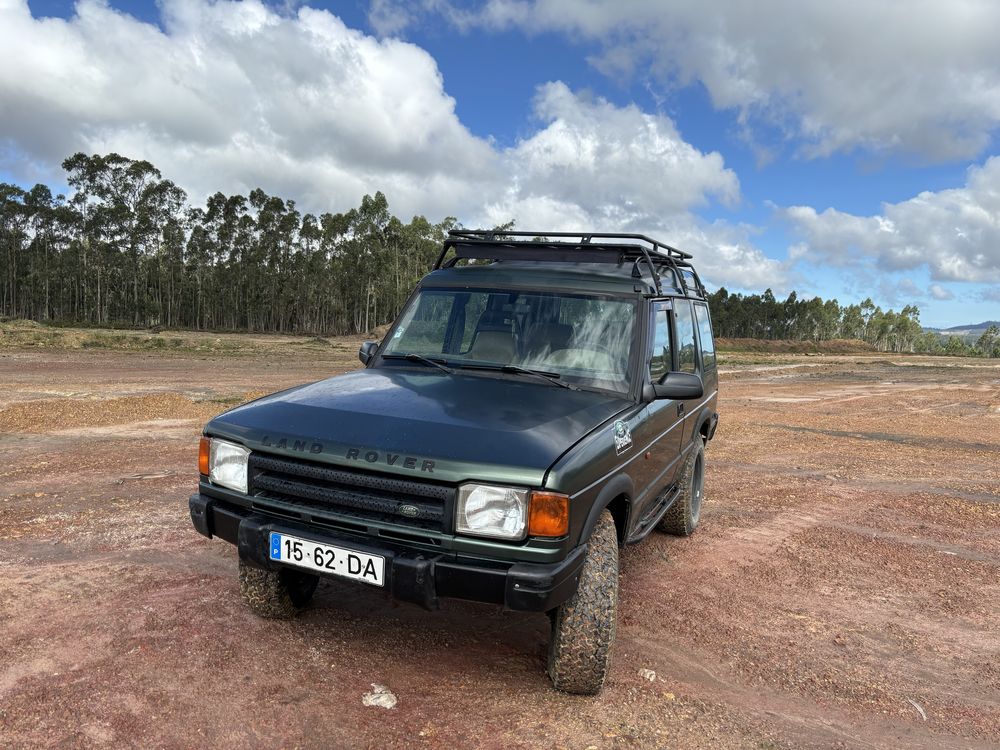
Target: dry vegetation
column 786, row 346
column 27, row 335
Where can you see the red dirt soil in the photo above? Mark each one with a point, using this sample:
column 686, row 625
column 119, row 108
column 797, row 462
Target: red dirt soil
column 843, row 589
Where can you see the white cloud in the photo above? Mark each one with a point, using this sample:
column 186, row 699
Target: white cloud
column 231, row 96
column 236, row 95
column 917, row 77
column 955, row 233
column 896, row 293
column 620, row 166
column 389, row 18
column 939, row 292
column 597, row 165
column 909, row 288
column 726, row 256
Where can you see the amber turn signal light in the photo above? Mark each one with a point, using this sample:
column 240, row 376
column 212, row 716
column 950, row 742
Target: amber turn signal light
column 203, row 455
column 548, row 514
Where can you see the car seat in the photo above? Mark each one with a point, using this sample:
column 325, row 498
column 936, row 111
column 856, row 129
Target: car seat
column 494, row 339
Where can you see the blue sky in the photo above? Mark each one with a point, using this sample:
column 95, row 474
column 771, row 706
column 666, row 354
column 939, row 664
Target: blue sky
column 801, row 155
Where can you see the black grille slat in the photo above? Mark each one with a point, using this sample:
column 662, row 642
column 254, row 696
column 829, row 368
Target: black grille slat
column 346, row 498
column 313, row 490
column 350, row 478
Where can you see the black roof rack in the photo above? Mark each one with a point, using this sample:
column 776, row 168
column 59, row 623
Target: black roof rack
column 569, row 247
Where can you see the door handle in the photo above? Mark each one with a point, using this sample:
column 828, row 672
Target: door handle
column 680, row 408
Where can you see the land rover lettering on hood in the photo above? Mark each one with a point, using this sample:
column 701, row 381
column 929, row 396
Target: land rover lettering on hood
column 541, row 400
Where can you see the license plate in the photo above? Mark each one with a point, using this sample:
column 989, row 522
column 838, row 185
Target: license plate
column 326, row 558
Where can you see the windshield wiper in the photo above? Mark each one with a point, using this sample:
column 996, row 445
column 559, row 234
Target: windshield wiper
column 551, row 377
column 411, row 357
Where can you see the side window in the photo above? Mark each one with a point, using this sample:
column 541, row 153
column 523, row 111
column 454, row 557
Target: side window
column 689, row 281
column 705, row 335
column 659, row 343
column 686, row 349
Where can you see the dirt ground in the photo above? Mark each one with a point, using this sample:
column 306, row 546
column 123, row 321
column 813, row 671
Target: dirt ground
column 843, row 589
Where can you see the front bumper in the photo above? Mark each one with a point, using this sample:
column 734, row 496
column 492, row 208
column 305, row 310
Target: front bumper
column 415, row 576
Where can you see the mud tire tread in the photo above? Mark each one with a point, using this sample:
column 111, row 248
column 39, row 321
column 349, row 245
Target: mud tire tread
column 678, row 520
column 583, row 628
column 275, row 595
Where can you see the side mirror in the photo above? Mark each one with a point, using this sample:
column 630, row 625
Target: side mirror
column 678, row 386
column 367, row 351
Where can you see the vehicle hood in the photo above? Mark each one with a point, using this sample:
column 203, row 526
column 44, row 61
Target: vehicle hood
column 423, row 425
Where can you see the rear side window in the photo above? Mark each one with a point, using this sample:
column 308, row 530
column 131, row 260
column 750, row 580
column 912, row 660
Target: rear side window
column 689, row 281
column 705, row 335
column 686, row 349
column 659, row 344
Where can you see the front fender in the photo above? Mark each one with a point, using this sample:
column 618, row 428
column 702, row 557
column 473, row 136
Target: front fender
column 618, row 486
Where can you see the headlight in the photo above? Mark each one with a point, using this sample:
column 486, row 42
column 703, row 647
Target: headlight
column 484, row 510
column 227, row 464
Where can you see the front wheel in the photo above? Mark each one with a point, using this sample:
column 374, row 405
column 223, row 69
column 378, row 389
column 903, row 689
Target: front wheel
column 583, row 629
column 275, row 594
column 682, row 518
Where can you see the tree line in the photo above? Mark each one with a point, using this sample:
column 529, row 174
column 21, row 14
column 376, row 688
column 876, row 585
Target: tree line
column 762, row 316
column 126, row 249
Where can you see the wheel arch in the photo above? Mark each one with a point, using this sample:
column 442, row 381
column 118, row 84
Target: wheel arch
column 707, row 424
column 615, row 496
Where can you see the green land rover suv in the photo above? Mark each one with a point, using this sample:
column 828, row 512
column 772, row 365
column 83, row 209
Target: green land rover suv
column 539, row 402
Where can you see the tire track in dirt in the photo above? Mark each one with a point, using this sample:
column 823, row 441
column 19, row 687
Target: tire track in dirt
column 802, row 722
column 865, row 483
column 746, row 546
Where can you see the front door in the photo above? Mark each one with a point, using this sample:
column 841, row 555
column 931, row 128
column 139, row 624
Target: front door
column 663, row 428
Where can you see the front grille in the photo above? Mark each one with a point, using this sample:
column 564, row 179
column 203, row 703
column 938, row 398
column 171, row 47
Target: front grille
column 312, row 492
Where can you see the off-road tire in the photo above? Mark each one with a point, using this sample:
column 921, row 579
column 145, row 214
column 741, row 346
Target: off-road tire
column 276, row 595
column 683, row 516
column 583, row 628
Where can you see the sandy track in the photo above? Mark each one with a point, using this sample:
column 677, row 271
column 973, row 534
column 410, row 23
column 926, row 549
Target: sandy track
column 845, row 579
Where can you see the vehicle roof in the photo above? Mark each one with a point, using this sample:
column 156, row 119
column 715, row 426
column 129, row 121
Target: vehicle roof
column 594, row 278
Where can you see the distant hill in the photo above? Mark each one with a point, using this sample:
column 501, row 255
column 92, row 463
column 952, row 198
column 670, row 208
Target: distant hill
column 972, row 329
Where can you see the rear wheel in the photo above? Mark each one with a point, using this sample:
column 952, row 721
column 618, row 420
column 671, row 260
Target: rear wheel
column 276, row 595
column 583, row 628
column 682, row 518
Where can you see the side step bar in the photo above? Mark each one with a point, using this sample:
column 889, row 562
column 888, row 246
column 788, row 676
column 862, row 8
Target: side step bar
column 659, row 509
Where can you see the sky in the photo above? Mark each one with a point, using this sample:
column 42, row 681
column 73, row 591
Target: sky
column 845, row 150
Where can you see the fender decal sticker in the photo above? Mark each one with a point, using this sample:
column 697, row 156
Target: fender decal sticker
column 622, row 436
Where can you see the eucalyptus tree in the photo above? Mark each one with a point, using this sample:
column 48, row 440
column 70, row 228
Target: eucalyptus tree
column 125, row 204
column 988, row 345
column 125, row 249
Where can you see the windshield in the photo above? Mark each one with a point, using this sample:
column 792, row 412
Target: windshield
column 585, row 340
